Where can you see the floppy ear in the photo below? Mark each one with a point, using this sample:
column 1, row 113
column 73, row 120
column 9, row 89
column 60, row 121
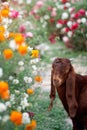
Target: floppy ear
column 52, row 92
column 71, row 93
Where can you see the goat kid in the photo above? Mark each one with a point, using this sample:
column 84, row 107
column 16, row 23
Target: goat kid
column 72, row 91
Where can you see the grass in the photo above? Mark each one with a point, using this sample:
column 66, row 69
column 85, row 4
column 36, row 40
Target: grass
column 60, row 50
column 53, row 120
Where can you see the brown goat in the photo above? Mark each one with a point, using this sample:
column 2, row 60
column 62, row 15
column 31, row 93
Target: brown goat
column 72, row 91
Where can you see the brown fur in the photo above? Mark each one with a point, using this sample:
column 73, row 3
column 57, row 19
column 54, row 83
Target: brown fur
column 72, row 91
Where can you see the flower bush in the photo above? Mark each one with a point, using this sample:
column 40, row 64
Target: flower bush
column 19, row 67
column 64, row 20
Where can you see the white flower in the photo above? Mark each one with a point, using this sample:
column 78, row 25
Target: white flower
column 19, row 108
column 17, row 91
column 24, row 103
column 8, row 104
column 20, row 1
column 21, row 68
column 25, row 96
column 27, row 79
column 67, row 4
column 69, row 24
column 35, row 72
column 34, row 67
column 15, row 81
column 86, row 13
column 20, row 63
column 28, row 1
column 46, row 17
column 12, row 45
column 58, row 25
column 83, row 20
column 30, row 48
column 6, row 34
column 5, row 118
column 34, row 61
column 25, row 118
column 65, row 15
column 1, row 72
column 3, row 107
column 65, row 39
column 69, row 33
column 12, row 97
column 41, row 20
column 44, row 24
column 11, row 77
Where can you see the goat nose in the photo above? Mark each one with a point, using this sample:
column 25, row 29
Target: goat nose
column 56, row 81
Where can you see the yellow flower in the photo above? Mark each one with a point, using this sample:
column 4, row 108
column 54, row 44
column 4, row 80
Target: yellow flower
column 30, row 91
column 19, row 38
column 5, row 12
column 8, row 53
column 38, row 78
column 22, row 50
column 16, row 117
column 2, row 29
column 35, row 53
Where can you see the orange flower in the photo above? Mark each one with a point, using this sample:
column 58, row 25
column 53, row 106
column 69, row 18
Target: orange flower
column 0, row 18
column 2, row 37
column 19, row 39
column 38, row 78
column 5, row 95
column 32, row 125
column 11, row 35
column 35, row 53
column 16, row 117
column 8, row 53
column 3, row 86
column 22, row 50
column 4, row 90
column 30, row 91
column 5, row 12
column 2, row 29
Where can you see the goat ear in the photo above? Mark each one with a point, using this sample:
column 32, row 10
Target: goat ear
column 71, row 93
column 52, row 92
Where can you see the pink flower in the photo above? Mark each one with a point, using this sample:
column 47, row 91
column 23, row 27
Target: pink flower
column 49, row 8
column 22, row 28
column 53, row 14
column 14, row 14
column 39, row 4
column 82, row 12
column 65, row 39
column 29, row 34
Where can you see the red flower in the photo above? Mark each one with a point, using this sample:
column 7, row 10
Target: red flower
column 51, row 20
column 74, row 26
column 76, row 16
column 52, row 38
column 67, row 29
column 64, row 1
column 62, row 21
